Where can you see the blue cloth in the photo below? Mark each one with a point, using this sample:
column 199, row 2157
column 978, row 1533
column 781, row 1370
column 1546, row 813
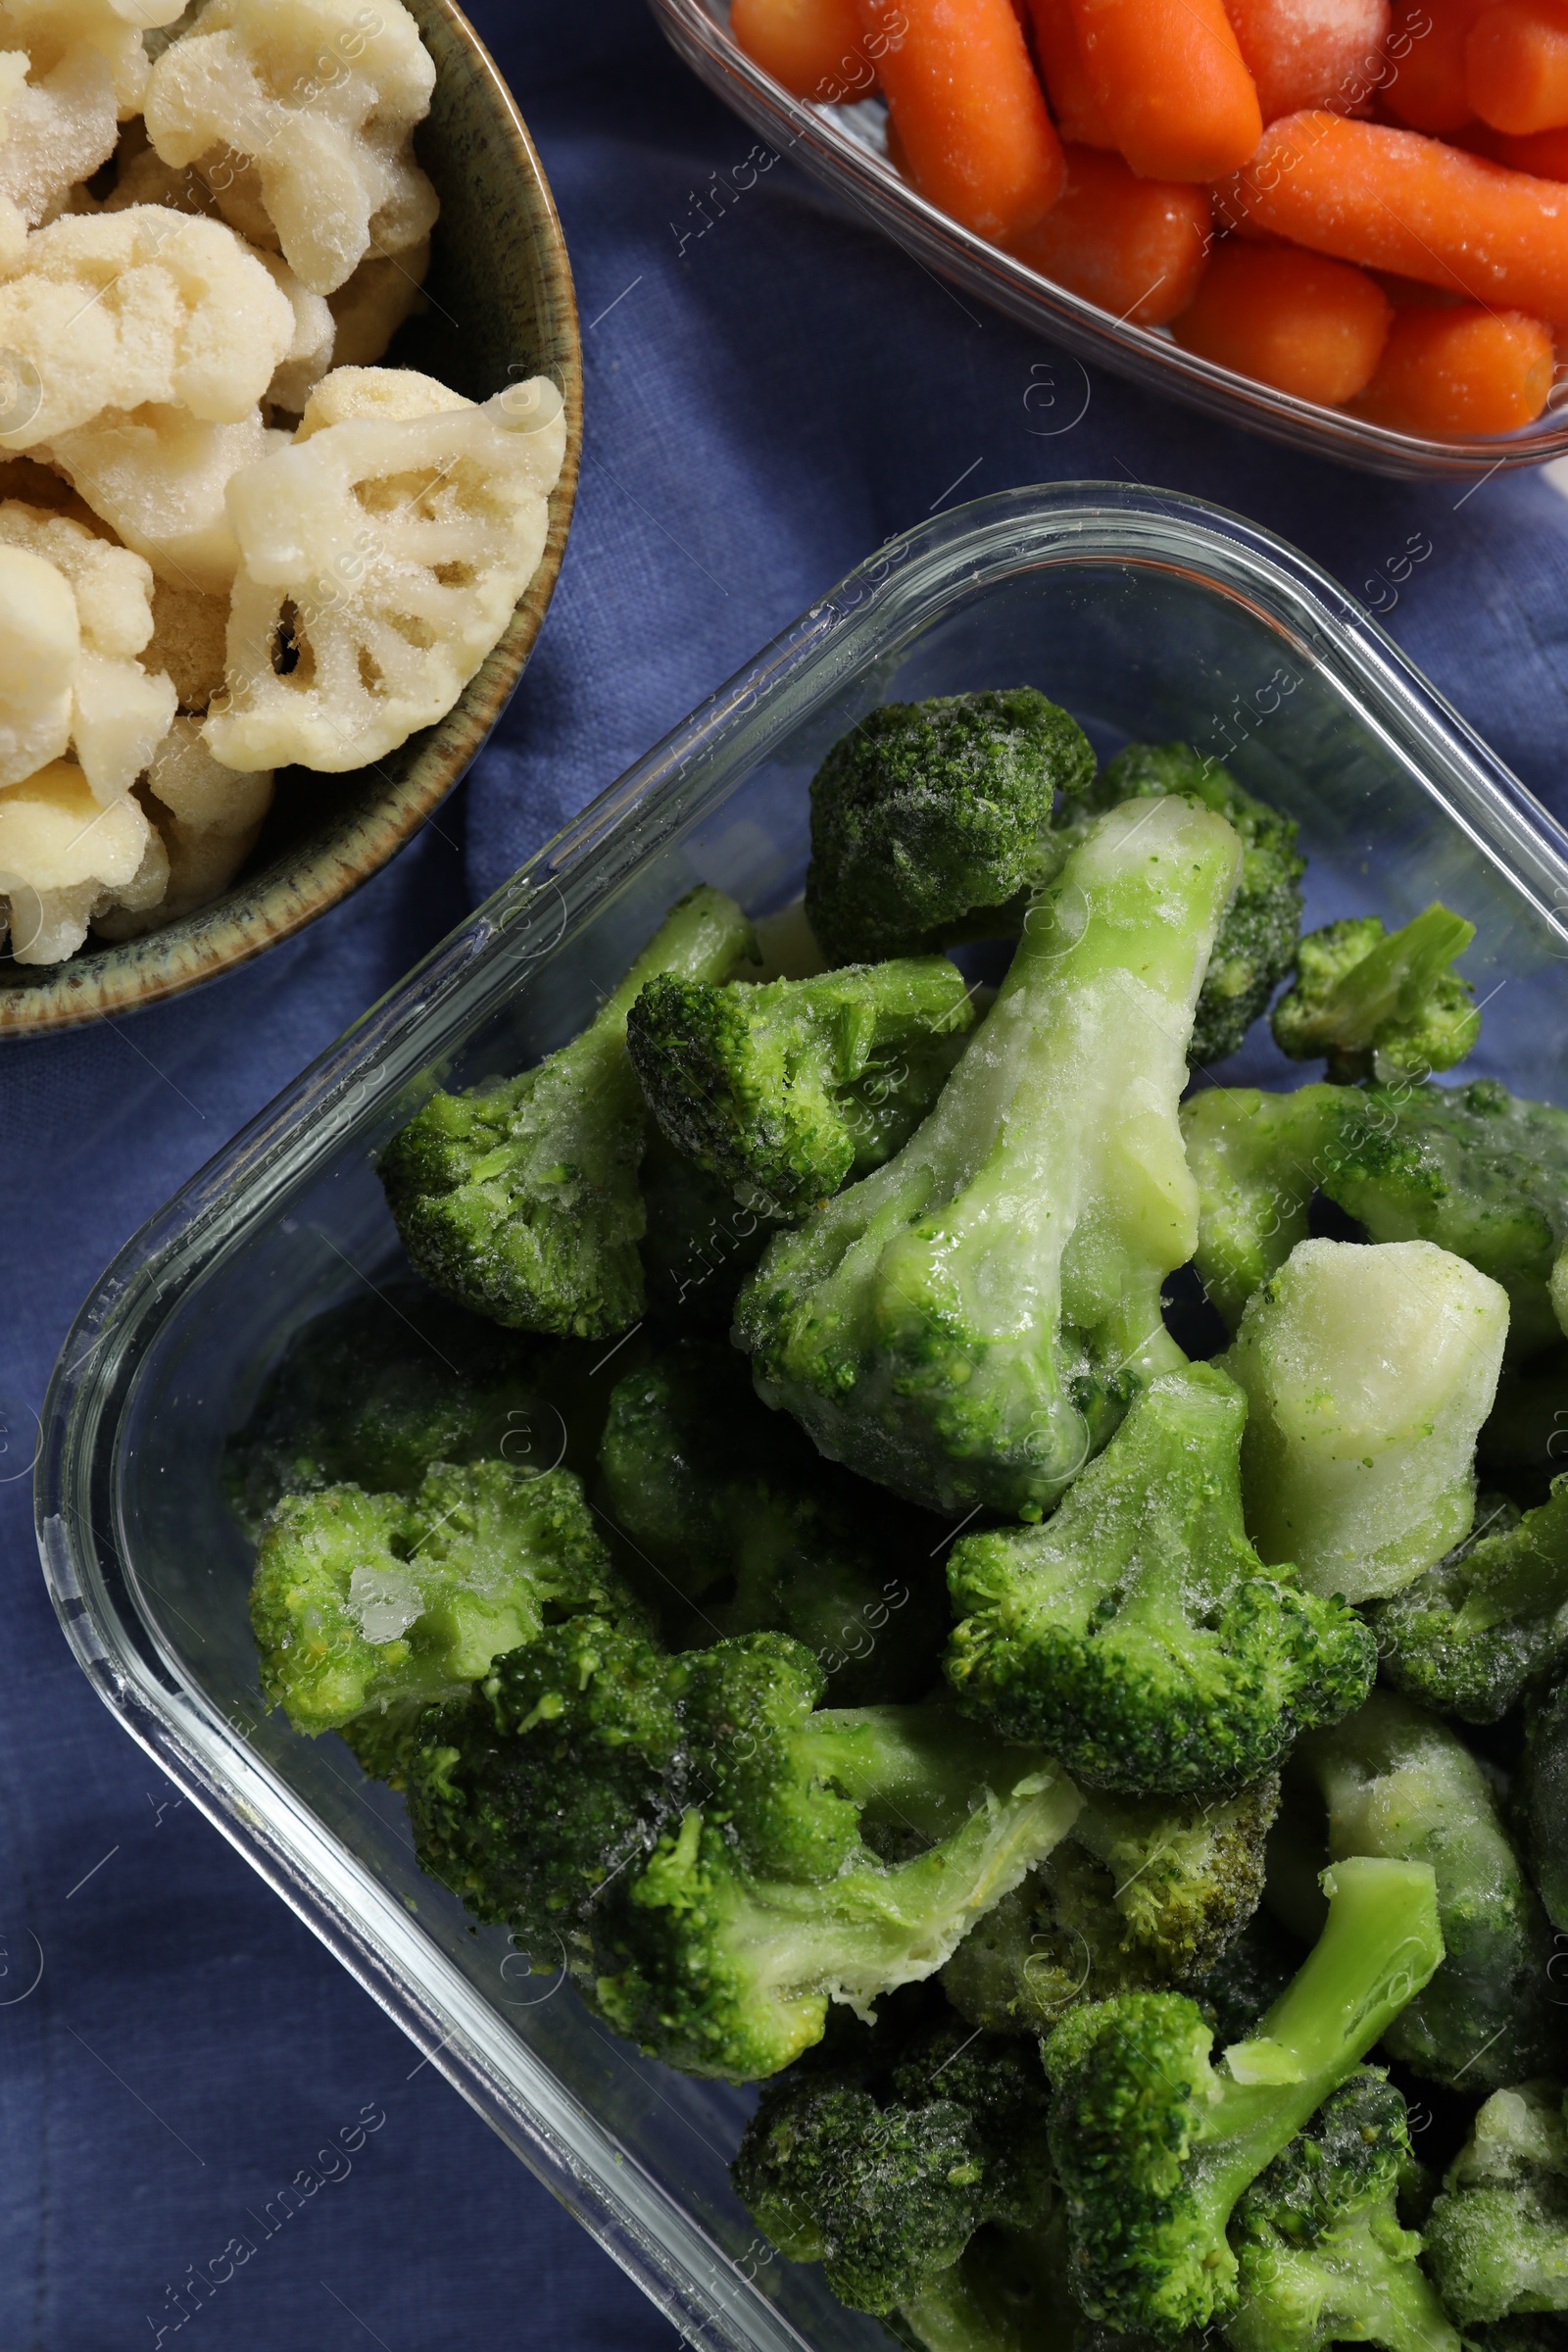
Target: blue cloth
column 766, row 401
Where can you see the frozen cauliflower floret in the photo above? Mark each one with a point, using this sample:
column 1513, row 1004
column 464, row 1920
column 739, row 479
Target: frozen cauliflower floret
column 158, row 478
column 208, row 819
column 40, row 655
column 385, row 289
column 56, row 127
column 64, row 860
column 383, row 556
column 187, row 641
column 116, row 310
column 310, row 355
column 112, row 30
column 318, row 98
column 118, row 712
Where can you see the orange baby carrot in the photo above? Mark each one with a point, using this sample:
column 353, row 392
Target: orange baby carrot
column 812, row 46
column 1424, row 86
column 968, row 108
column 1516, row 67
column 1171, row 84
column 1074, row 107
column 1135, row 246
column 1446, row 372
column 1393, row 200
column 1311, row 52
column 1544, row 154
column 1310, row 326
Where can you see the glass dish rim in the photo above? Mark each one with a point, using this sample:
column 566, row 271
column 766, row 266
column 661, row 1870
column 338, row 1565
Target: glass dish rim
column 636, row 2219
column 810, row 137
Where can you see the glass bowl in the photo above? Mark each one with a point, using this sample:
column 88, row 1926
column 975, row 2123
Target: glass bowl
column 845, row 146
column 1149, row 615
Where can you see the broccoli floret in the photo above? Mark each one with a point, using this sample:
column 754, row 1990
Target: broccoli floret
column 1322, row 2256
column 701, row 1242
column 374, row 1391
column 1497, row 2238
column 1475, row 1169
column 1398, row 1783
column 927, row 815
column 787, row 1090
column 1368, row 1371
column 745, row 1521
column 969, row 1322
column 1491, row 1620
column 1256, row 943
column 372, row 1601
column 1381, row 1004
column 886, row 2181
column 1145, row 1893
column 1540, row 1806
column 1136, row 1633
column 519, row 1199
column 1155, row 2144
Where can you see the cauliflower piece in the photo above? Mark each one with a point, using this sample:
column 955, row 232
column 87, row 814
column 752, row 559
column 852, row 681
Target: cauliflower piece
column 310, row 355
column 306, row 105
column 64, row 860
column 40, row 654
column 159, row 477
column 385, row 289
column 108, row 30
column 56, row 127
column 208, row 819
column 187, row 641
column 384, row 555
column 116, row 310
column 118, row 713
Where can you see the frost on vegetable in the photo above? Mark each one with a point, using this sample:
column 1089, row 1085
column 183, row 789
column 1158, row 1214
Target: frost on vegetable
column 382, row 559
column 208, row 819
column 1498, row 2239
column 1368, row 1371
column 159, row 477
column 70, row 71
column 65, row 860
column 299, row 115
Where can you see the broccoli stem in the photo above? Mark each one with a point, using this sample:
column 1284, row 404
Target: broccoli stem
column 918, row 1767
column 1390, row 983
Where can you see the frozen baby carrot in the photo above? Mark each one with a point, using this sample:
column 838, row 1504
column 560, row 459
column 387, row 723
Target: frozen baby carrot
column 1425, row 82
column 812, row 46
column 1171, row 84
column 963, row 98
column 1311, row 52
column 1446, row 372
column 1544, row 154
column 1516, row 67
column 1135, row 246
column 1392, row 200
column 1310, row 326
column 1074, row 108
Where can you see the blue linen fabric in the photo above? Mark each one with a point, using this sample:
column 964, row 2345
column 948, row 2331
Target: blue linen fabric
column 767, row 400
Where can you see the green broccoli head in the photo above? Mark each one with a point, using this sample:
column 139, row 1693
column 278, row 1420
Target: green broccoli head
column 375, row 1600
column 927, row 815
column 1397, row 1782
column 787, row 1089
column 1256, row 943
column 885, row 2182
column 1381, row 1004
column 1497, row 2237
column 519, row 1199
column 746, row 1522
column 1155, row 2143
column 968, row 1324
column 1491, row 1620
column 1136, row 1634
column 1322, row 2257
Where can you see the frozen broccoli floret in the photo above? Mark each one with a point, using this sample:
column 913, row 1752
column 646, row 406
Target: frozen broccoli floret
column 1155, row 2143
column 1381, row 1004
column 1008, row 2291
column 1136, row 1634
column 699, row 1244
column 1257, row 1159
column 372, row 1601
column 1540, row 1809
column 1145, row 1893
column 927, row 817
column 519, row 1199
column 745, row 1521
column 1491, row 1619
column 373, row 1393
column 1368, row 1371
column 1322, row 2256
column 1256, row 943
column 787, row 1090
column 1398, row 1783
column 968, row 1324
column 1497, row 2238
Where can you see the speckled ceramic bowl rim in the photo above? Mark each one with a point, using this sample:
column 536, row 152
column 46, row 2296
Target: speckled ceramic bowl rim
column 105, row 980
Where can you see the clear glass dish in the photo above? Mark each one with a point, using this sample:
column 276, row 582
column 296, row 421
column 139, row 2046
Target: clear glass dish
column 845, row 146
column 1151, row 616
